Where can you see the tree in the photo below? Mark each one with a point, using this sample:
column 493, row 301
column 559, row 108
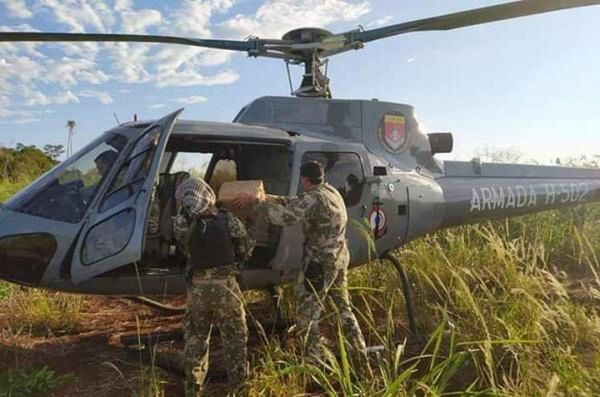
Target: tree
column 20, row 147
column 6, row 162
column 23, row 163
column 54, row 151
column 490, row 154
column 71, row 124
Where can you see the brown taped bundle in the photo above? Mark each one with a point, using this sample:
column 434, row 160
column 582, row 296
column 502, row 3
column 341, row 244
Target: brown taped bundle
column 229, row 191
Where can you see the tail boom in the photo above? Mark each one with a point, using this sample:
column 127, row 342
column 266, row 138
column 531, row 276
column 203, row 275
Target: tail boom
column 491, row 191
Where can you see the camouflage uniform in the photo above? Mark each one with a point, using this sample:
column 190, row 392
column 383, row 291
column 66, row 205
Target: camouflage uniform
column 214, row 297
column 322, row 212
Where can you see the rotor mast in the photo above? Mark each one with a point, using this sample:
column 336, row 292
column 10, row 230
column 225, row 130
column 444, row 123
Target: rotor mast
column 315, row 82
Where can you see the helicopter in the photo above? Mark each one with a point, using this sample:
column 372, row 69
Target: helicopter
column 77, row 231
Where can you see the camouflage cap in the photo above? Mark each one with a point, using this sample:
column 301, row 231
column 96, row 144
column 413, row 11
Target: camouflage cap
column 195, row 196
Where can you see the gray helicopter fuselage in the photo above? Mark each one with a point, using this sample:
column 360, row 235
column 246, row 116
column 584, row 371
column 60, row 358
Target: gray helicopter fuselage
column 374, row 152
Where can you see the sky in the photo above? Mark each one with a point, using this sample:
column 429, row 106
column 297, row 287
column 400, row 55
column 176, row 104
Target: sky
column 530, row 85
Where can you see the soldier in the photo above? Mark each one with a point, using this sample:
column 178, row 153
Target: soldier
column 105, row 161
column 215, row 243
column 322, row 213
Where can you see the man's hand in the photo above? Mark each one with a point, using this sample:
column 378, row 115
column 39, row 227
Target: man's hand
column 244, row 199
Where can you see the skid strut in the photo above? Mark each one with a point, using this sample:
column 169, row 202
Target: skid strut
column 410, row 310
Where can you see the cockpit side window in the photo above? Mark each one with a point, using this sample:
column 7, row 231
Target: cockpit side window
column 194, row 163
column 343, row 171
column 66, row 196
column 130, row 178
column 225, row 170
column 108, row 237
column 271, row 164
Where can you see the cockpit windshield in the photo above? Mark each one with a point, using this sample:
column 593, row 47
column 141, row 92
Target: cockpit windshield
column 65, row 193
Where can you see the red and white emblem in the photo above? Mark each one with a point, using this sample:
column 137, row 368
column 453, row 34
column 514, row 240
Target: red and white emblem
column 393, row 135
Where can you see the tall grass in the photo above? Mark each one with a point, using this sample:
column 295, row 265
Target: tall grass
column 150, row 382
column 507, row 308
column 506, row 288
column 442, row 365
column 5, row 289
column 42, row 313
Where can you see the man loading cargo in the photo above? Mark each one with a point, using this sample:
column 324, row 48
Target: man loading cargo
column 322, row 213
column 215, row 243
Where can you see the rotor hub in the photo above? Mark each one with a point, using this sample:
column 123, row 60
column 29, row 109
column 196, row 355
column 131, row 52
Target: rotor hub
column 307, row 35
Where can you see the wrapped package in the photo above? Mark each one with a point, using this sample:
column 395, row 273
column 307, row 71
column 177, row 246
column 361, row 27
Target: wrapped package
column 231, row 190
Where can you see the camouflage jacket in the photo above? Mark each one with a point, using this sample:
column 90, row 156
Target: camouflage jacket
column 243, row 245
column 323, row 216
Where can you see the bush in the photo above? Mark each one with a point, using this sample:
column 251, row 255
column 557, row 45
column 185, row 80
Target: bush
column 5, row 289
column 35, row 382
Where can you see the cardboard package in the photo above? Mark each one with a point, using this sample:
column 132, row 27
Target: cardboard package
column 231, row 190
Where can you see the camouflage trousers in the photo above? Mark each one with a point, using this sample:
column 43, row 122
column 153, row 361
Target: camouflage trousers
column 214, row 302
column 311, row 304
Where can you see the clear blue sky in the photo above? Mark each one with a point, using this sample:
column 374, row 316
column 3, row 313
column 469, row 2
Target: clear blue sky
column 531, row 84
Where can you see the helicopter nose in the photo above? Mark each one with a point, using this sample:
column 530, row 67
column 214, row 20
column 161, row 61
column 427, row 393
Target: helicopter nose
column 24, row 258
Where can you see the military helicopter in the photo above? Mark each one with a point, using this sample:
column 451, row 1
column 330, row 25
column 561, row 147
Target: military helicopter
column 74, row 230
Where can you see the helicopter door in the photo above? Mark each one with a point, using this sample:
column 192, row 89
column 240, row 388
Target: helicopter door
column 113, row 233
column 344, row 170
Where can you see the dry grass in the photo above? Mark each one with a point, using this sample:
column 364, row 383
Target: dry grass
column 39, row 312
column 507, row 308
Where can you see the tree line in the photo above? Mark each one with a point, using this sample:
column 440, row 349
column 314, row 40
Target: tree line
column 26, row 162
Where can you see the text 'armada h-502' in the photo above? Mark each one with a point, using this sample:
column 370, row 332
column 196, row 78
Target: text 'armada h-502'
column 489, row 198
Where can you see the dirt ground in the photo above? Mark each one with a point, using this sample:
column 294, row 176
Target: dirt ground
column 101, row 364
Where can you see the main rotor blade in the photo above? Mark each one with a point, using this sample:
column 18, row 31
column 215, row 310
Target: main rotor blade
column 471, row 17
column 233, row 45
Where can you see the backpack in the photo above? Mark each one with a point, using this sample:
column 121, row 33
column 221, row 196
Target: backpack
column 210, row 243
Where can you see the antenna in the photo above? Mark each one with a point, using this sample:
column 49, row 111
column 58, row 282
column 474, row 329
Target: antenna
column 116, row 118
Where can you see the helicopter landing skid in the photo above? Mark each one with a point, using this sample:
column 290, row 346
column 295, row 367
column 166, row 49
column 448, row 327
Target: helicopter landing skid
column 145, row 342
column 158, row 305
column 410, row 311
column 146, row 346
